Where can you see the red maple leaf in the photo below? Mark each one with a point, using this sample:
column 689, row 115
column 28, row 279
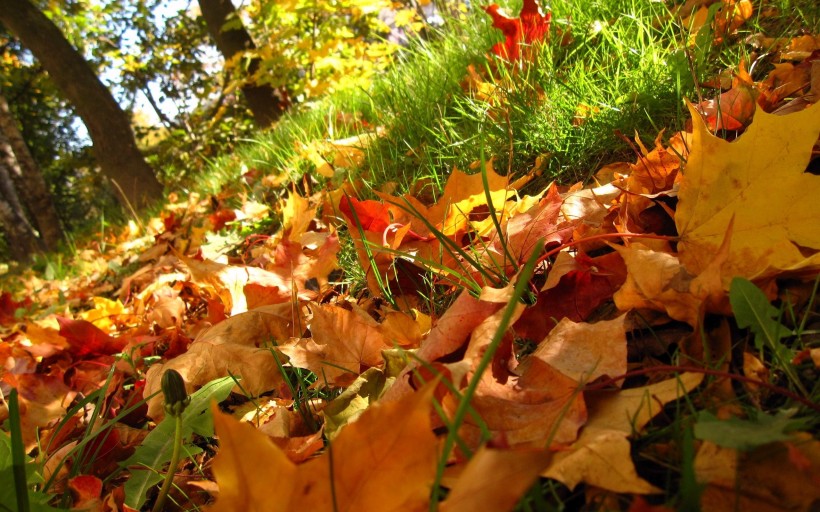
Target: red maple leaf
column 9, row 306
column 85, row 338
column 530, row 27
column 371, row 215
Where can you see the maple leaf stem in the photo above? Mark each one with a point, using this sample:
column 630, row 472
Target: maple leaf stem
column 464, row 404
column 176, row 401
column 172, row 466
column 599, row 386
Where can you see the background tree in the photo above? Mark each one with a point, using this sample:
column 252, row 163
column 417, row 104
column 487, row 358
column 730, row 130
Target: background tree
column 20, row 236
column 234, row 43
column 28, row 179
column 108, row 125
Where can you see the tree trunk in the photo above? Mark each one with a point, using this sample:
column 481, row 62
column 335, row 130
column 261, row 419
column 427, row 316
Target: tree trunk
column 265, row 105
column 110, row 129
column 27, row 178
column 22, row 240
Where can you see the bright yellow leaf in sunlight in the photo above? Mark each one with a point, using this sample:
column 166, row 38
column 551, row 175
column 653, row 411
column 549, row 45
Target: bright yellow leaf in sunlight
column 104, row 314
column 759, row 181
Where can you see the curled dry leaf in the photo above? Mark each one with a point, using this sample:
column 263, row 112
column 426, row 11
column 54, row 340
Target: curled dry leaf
column 241, row 345
column 343, row 343
column 601, row 455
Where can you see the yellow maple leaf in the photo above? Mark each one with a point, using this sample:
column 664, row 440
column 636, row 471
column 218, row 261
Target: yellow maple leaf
column 759, row 181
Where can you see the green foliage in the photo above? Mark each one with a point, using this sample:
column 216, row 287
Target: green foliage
column 155, row 450
column 747, row 434
column 17, row 471
column 752, row 310
column 313, row 48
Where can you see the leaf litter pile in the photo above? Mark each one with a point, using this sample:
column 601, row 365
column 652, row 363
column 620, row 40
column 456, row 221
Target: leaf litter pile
column 647, row 342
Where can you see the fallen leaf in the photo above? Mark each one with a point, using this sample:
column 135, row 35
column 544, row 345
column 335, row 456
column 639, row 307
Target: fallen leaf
column 86, row 339
column 539, row 223
column 724, row 180
column 764, row 480
column 541, row 407
column 586, row 351
column 495, row 479
column 43, row 400
column 85, row 493
column 656, row 280
column 343, row 343
column 9, row 307
column 296, row 216
column 629, row 410
column 394, row 473
column 241, row 345
column 601, row 455
column 601, row 458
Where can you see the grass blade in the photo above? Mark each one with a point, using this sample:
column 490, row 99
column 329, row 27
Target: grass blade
column 18, row 454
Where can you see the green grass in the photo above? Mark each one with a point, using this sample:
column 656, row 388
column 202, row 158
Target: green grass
column 626, row 62
column 623, row 63
column 616, row 63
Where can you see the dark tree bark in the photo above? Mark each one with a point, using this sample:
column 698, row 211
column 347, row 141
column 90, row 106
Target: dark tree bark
column 265, row 105
column 22, row 240
column 108, row 125
column 28, row 180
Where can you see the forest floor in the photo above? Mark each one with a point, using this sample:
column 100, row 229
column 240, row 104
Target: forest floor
column 466, row 290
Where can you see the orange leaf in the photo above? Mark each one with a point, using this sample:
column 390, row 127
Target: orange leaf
column 384, row 461
column 732, row 110
column 541, row 221
column 658, row 281
column 495, row 479
column 540, row 406
column 585, row 351
column 343, row 344
column 371, row 215
column 236, row 345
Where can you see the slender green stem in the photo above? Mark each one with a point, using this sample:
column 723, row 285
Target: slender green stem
column 172, row 467
column 18, row 454
column 489, row 197
column 464, row 404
